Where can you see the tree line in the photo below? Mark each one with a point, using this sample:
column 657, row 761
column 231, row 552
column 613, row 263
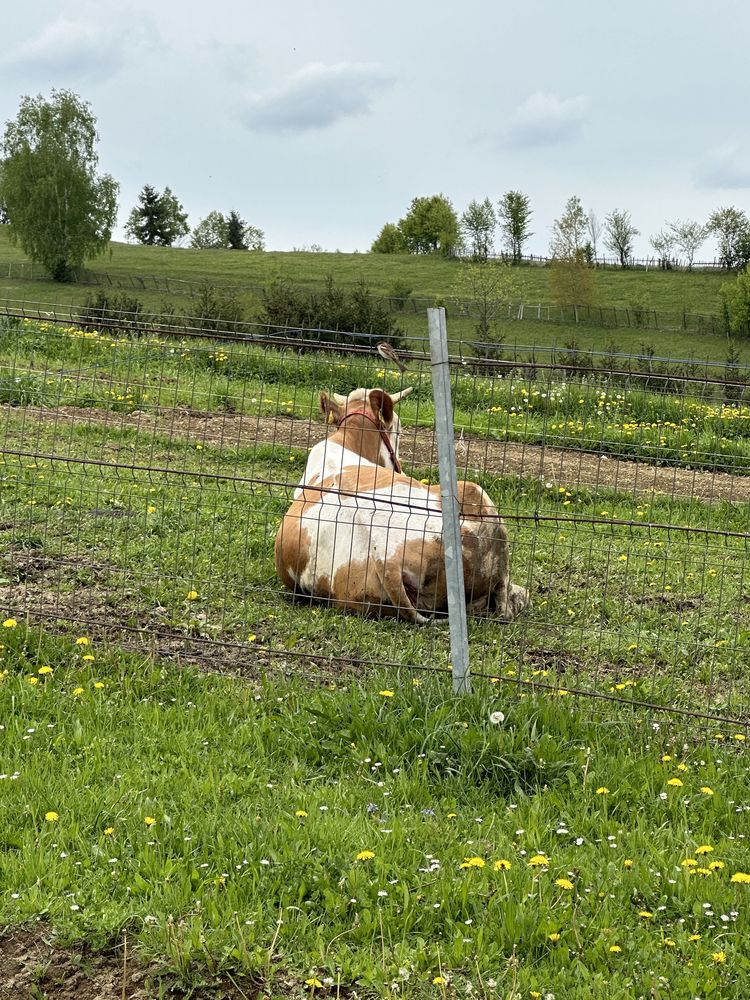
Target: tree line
column 61, row 212
column 432, row 225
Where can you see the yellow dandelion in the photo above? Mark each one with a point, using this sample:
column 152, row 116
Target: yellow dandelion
column 386, row 693
column 10, row 623
column 33, row 680
column 564, row 883
column 741, row 737
column 704, row 849
column 300, row 813
column 706, row 790
column 716, row 865
column 451, row 815
column 439, row 981
column 646, row 914
column 315, row 983
column 694, row 937
column 108, row 831
column 149, row 820
column 52, row 816
column 82, row 640
column 669, row 942
column 472, row 863
column 538, row 861
column 719, row 956
column 554, row 937
column 689, row 863
column 88, row 658
column 192, row 595
column 602, row 790
column 252, row 637
column 44, row 670
column 77, row 692
column 98, row 685
column 503, row 865
column 675, row 783
column 365, row 856
column 615, row 949
column 666, row 757
column 743, row 878
column 627, row 863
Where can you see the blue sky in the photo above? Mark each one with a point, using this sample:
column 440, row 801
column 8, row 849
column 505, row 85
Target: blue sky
column 320, row 122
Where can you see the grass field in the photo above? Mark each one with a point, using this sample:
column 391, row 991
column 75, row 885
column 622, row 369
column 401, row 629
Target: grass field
column 365, row 833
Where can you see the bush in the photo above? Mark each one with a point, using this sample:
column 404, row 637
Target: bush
column 110, row 311
column 332, row 315
column 212, row 308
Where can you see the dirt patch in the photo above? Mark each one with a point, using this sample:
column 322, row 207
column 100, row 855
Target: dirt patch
column 559, row 466
column 33, row 967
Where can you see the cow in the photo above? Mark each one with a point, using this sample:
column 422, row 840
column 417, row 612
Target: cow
column 365, row 537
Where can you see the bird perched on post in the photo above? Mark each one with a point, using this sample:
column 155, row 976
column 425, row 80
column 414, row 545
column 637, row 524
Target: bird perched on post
column 387, row 353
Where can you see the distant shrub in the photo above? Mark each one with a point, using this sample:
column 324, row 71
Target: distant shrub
column 110, row 310
column 212, row 308
column 399, row 293
column 331, row 314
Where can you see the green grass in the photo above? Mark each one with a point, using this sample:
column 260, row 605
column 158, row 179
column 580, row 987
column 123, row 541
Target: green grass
column 157, row 275
column 358, row 835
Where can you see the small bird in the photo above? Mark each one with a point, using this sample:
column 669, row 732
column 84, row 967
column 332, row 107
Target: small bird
column 386, row 352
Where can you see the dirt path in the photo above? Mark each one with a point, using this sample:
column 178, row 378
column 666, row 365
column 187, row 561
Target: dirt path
column 555, row 465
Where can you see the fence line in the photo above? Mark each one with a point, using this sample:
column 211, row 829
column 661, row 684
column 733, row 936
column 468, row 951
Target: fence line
column 138, row 471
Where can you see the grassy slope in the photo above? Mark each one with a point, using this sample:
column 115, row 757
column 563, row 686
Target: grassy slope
column 432, row 278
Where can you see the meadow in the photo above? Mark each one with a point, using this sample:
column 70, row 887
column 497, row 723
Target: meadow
column 311, row 812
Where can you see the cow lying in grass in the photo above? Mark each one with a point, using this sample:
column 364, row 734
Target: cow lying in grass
column 364, row 536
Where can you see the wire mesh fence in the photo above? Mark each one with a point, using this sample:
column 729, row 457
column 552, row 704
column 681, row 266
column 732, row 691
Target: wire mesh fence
column 145, row 475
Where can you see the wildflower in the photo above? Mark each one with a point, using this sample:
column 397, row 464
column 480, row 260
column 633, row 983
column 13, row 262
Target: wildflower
column 315, row 983
column 627, row 863
column 386, row 694
column 300, row 813
column 252, row 637
column 706, row 790
column 666, row 757
column 10, row 623
column 615, row 949
column 51, row 816
column 33, row 680
column 82, row 641
column 622, row 558
column 694, row 937
column 554, row 937
column 675, row 783
column 538, row 861
column 704, row 849
column 719, row 956
column 439, row 981
column 98, row 685
column 741, row 737
column 44, row 670
column 77, row 692
column 669, row 942
column 646, row 914
column 365, row 856
column 149, row 820
column 689, row 863
column 632, row 646
column 503, row 865
column 602, row 790
column 108, row 831
column 496, row 718
column 88, row 658
column 472, row 863
column 564, row 883
column 451, row 815
column 742, row 877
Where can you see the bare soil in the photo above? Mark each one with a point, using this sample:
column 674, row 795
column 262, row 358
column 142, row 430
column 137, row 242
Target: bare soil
column 562, row 467
column 34, row 967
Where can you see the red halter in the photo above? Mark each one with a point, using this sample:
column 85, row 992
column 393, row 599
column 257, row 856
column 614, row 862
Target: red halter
column 381, row 430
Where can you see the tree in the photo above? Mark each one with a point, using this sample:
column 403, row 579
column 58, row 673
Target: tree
column 159, row 220
column 60, row 211
column 731, row 227
column 568, row 231
column 514, row 217
column 431, row 226
column 4, row 217
column 594, row 230
column 489, row 287
column 663, row 243
column 478, row 226
column 390, row 239
column 736, row 300
column 688, row 237
column 619, row 233
column 572, row 281
column 210, row 233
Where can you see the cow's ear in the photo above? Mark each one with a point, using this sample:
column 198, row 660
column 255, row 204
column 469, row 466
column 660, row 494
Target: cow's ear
column 329, row 408
column 382, row 405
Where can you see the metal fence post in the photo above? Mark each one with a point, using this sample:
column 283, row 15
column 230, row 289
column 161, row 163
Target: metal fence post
column 454, row 568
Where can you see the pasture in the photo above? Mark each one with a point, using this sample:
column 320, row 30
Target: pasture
column 263, row 795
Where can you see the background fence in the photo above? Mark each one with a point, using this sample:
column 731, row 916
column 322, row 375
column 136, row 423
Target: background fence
column 144, row 476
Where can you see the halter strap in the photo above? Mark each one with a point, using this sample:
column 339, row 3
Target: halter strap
column 380, row 429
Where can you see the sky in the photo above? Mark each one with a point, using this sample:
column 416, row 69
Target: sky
column 319, row 122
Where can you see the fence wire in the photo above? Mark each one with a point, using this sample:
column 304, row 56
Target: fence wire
column 145, row 475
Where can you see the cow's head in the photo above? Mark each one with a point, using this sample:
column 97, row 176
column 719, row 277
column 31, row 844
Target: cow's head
column 375, row 405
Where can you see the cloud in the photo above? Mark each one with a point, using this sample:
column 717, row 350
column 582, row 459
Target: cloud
column 316, row 97
column 546, row 120
column 723, row 167
column 76, row 49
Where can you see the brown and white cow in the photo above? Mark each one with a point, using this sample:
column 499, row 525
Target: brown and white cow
column 366, row 537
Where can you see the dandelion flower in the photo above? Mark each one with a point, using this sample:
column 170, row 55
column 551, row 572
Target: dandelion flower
column 315, row 983
column 602, row 790
column 439, row 981
column 675, row 783
column 564, row 883
column 77, row 692
column 149, row 820
column 706, row 790
column 669, row 942
column 82, row 640
column 741, row 737
column 719, row 956
column 44, row 670
column 10, row 623
column 627, row 863
column 51, row 816
column 300, row 813
column 689, row 863
column 503, row 865
column 472, row 863
column 252, row 637
column 33, row 680
column 98, row 685
column 365, row 856
column 108, row 831
column 88, row 658
column 386, row 694
column 646, row 914
column 496, row 718
column 192, row 595
column 615, row 949
column 554, row 937
column 704, row 849
column 742, row 877
column 694, row 937
column 538, row 861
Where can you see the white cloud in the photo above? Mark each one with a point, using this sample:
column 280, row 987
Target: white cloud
column 724, row 167
column 546, row 120
column 76, row 49
column 316, row 97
